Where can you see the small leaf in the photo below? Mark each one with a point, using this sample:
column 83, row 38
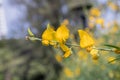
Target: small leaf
column 30, row 32
column 32, row 38
column 112, row 46
column 116, row 59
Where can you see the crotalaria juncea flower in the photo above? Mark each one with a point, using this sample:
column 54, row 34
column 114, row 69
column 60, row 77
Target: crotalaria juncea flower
column 85, row 39
column 62, row 34
column 66, row 49
column 48, row 35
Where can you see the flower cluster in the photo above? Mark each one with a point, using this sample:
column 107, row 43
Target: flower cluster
column 58, row 39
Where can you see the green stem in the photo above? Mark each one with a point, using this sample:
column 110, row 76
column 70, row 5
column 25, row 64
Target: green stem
column 38, row 39
column 102, row 49
column 75, row 45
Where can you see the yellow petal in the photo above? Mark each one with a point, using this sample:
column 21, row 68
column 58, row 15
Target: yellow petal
column 100, row 21
column 53, row 43
column 48, row 34
column 94, row 53
column 95, row 12
column 62, row 33
column 67, row 54
column 45, row 42
column 64, row 47
column 85, row 39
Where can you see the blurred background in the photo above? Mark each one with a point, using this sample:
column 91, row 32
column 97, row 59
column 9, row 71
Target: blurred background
column 26, row 60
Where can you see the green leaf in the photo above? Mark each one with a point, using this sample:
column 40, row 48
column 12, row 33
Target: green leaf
column 35, row 39
column 117, row 59
column 112, row 46
column 30, row 32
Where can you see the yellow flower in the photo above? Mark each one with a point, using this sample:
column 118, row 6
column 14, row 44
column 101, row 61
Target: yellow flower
column 95, row 12
column 113, row 6
column 94, row 53
column 85, row 39
column 52, row 37
column 48, row 35
column 100, row 21
column 89, row 48
column 66, row 49
column 68, row 72
column 95, row 57
column 62, row 34
column 67, row 53
column 45, row 42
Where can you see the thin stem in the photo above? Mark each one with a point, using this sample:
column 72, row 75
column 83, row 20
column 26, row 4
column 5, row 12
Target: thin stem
column 38, row 39
column 75, row 45
column 102, row 49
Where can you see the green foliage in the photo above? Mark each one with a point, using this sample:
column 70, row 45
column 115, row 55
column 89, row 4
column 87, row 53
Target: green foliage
column 112, row 46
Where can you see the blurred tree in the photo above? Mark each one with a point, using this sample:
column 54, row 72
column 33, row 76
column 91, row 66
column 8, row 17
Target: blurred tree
column 78, row 8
